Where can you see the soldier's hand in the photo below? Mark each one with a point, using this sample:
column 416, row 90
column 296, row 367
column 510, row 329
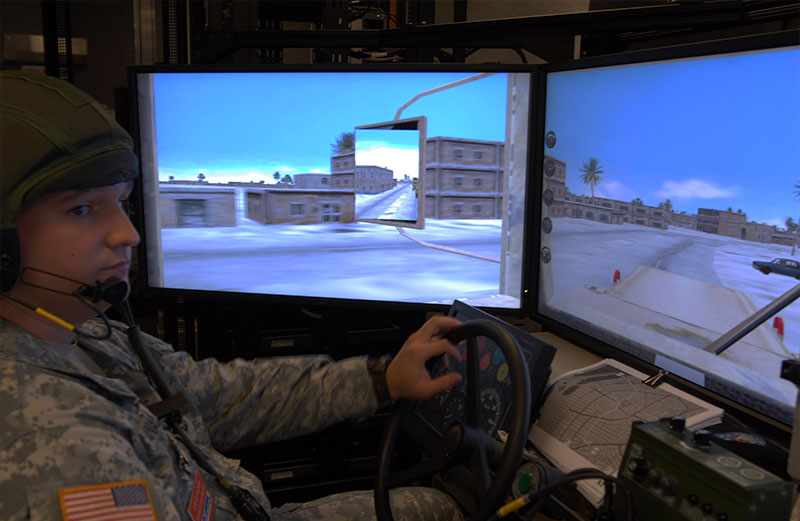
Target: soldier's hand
column 407, row 376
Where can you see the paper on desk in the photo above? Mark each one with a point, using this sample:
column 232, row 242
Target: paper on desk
column 586, row 417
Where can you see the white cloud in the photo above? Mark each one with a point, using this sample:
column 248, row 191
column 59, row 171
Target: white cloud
column 694, row 189
column 780, row 223
column 614, row 190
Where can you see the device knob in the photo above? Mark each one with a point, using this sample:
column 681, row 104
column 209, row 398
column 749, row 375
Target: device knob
column 677, row 424
column 638, row 466
column 669, row 484
column 655, row 475
column 702, row 438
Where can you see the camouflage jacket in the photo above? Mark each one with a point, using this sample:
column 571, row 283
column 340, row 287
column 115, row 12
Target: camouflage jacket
column 69, row 420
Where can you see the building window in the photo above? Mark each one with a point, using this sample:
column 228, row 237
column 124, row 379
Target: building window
column 296, row 209
column 477, row 181
column 324, row 180
column 191, row 212
column 458, row 153
column 331, row 212
column 477, row 154
column 589, row 215
column 603, row 218
column 623, row 208
column 458, row 208
column 641, row 210
column 458, row 181
column 476, row 208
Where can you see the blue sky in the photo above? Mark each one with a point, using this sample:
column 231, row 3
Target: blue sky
column 395, row 149
column 246, row 126
column 704, row 133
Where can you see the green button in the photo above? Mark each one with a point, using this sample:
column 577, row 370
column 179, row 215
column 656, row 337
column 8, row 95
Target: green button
column 524, row 483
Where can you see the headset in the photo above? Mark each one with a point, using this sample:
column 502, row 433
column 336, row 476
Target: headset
column 9, row 258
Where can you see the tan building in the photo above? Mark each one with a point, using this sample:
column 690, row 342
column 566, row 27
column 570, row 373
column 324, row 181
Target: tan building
column 463, row 178
column 683, row 220
column 373, row 179
column 312, row 181
column 299, row 206
column 783, row 238
column 196, row 204
column 721, row 222
column 601, row 209
column 363, row 179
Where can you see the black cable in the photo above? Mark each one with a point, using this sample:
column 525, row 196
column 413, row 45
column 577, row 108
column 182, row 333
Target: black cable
column 244, row 502
column 577, row 475
column 587, row 473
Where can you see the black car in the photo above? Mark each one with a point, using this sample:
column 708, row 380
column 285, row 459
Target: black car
column 780, row 266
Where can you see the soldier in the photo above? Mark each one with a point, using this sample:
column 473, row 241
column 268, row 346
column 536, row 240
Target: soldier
column 85, row 431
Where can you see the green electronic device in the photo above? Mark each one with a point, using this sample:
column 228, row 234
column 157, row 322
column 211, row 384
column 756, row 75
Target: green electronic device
column 677, row 474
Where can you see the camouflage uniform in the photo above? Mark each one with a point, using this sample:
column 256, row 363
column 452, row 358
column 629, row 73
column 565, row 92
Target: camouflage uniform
column 75, row 415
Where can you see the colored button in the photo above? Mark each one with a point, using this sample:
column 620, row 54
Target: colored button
column 485, row 360
column 524, row 482
column 497, row 357
column 502, row 372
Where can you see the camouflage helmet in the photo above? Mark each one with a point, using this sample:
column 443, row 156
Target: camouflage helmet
column 55, row 137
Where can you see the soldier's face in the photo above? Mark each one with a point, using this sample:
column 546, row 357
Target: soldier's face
column 80, row 234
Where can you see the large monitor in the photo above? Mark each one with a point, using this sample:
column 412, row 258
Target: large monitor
column 335, row 184
column 669, row 183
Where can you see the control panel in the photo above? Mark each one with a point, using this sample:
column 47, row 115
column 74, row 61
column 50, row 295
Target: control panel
column 677, row 474
column 448, row 407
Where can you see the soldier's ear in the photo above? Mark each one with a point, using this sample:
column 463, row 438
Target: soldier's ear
column 9, row 258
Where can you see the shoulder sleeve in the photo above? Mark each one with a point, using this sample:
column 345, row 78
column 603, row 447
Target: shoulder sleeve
column 55, row 434
column 270, row 399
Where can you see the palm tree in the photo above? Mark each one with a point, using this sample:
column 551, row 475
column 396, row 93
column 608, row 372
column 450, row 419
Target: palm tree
column 666, row 205
column 345, row 142
column 591, row 173
column 637, row 200
column 276, row 176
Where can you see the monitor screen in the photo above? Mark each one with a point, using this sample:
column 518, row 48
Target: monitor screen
column 354, row 183
column 669, row 183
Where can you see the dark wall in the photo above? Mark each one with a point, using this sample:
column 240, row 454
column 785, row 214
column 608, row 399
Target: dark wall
column 108, row 28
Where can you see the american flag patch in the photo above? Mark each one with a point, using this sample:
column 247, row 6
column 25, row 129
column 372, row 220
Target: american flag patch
column 125, row 501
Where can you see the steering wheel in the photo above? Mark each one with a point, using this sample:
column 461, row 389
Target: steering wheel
column 465, row 445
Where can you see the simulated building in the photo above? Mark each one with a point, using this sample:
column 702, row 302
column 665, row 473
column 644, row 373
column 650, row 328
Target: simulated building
column 196, row 205
column 463, row 178
column 709, row 220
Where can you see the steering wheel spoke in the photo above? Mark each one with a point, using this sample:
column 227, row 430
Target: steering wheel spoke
column 481, row 472
column 472, row 415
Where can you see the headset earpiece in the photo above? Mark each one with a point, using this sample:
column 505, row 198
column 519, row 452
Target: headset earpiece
column 9, row 258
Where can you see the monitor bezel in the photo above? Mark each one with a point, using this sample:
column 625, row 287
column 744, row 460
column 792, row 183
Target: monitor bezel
column 751, row 416
column 143, row 288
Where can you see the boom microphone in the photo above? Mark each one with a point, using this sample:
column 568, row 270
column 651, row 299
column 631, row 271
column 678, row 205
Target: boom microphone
column 112, row 291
